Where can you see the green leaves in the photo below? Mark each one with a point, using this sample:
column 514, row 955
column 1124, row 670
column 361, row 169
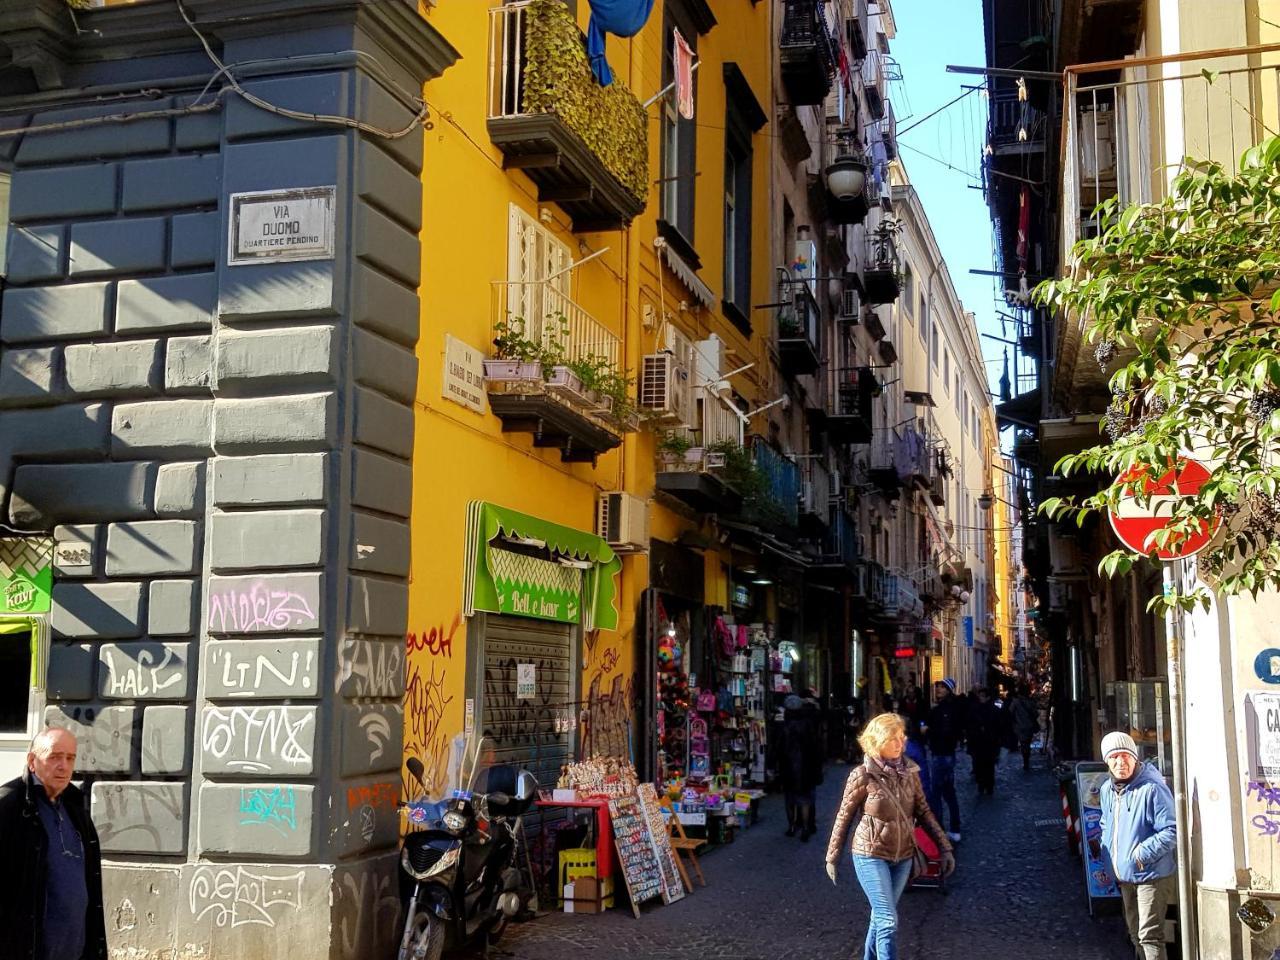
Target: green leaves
column 1189, row 289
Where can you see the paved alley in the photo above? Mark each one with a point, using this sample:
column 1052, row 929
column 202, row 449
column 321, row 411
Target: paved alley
column 1017, row 893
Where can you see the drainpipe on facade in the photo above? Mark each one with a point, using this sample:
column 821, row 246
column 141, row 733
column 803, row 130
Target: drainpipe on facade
column 1187, row 933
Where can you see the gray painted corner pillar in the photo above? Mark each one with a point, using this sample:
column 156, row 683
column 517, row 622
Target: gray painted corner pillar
column 230, row 447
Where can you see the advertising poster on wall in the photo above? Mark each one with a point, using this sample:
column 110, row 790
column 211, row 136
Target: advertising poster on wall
column 1100, row 884
column 1262, row 721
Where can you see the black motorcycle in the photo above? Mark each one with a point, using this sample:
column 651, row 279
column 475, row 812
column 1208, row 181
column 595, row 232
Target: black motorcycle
column 461, row 883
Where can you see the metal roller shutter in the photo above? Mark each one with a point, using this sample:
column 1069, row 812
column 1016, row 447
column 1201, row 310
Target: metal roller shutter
column 538, row 732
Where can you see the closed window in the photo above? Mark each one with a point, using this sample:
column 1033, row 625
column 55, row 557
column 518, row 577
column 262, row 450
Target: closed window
column 743, row 117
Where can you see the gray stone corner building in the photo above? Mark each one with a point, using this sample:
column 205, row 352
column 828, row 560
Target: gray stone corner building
column 230, row 445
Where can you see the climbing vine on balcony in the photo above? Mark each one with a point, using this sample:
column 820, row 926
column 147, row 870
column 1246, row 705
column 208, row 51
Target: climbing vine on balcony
column 558, row 79
column 1182, row 298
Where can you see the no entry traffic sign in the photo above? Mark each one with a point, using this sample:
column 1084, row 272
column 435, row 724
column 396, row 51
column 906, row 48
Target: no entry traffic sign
column 1135, row 522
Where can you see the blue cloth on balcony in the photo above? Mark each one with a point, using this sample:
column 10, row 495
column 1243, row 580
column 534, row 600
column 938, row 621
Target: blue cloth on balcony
column 622, row 18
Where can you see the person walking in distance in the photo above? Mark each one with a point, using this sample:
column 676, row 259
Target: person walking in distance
column 943, row 728
column 801, row 764
column 985, row 737
column 51, row 885
column 1139, row 836
column 883, row 795
column 1024, row 714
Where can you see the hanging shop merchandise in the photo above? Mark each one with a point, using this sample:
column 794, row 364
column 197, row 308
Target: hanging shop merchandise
column 725, row 730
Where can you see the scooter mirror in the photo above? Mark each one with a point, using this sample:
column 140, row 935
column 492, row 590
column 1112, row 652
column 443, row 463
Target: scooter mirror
column 417, row 770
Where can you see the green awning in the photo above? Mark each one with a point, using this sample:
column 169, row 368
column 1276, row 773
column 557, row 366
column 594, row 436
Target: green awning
column 566, row 575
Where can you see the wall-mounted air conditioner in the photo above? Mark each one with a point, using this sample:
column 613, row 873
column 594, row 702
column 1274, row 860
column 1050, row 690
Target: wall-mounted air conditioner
column 622, row 521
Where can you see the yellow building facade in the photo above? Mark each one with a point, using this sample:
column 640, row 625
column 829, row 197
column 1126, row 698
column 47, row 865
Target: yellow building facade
column 496, row 246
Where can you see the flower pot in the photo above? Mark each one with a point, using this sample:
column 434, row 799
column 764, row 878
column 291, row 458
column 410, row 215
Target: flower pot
column 566, row 378
column 512, row 370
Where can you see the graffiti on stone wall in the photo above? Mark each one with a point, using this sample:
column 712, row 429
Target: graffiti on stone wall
column 367, row 908
column 240, row 896
column 428, row 657
column 370, row 668
column 273, row 807
column 150, row 675
column 259, row 739
column 258, row 607
column 244, row 672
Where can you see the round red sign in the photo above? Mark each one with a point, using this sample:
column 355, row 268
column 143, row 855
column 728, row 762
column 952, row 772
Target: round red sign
column 1136, row 522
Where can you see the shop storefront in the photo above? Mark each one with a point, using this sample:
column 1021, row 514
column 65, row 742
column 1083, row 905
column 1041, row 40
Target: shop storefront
column 532, row 589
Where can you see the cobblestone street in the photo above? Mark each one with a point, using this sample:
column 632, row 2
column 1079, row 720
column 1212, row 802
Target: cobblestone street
column 1016, row 893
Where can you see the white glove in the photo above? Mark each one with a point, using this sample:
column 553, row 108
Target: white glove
column 831, row 872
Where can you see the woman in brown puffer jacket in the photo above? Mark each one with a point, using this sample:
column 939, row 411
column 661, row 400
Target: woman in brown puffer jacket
column 883, row 797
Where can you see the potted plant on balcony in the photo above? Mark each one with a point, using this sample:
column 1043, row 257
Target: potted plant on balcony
column 677, row 453
column 517, row 357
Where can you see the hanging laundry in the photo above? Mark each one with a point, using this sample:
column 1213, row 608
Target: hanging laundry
column 682, row 57
column 743, row 639
column 622, row 18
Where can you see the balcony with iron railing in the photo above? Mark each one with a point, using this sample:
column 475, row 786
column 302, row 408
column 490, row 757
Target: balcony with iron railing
column 889, row 131
column 1014, row 126
column 842, row 545
column 808, row 52
column 880, row 280
column 875, row 83
column 799, row 326
column 1125, row 138
column 850, row 397
column 815, row 496
column 887, row 470
column 555, row 372
column 585, row 146
column 775, row 505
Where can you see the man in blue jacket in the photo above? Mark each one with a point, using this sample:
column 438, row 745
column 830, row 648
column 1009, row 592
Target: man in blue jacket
column 1140, row 836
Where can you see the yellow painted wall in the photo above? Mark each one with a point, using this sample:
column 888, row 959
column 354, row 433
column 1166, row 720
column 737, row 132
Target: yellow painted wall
column 461, row 455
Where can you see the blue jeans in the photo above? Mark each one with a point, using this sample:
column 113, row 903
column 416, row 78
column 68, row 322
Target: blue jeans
column 942, row 774
column 883, row 882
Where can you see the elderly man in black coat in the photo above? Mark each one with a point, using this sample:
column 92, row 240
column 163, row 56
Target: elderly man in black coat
column 51, row 881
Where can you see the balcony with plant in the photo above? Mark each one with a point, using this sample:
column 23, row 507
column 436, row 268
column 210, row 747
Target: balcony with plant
column 799, row 326
column 585, row 146
column 881, row 278
column 545, row 378
column 695, row 474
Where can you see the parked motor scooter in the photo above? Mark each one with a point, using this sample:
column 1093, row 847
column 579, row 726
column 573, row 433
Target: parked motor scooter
column 459, row 875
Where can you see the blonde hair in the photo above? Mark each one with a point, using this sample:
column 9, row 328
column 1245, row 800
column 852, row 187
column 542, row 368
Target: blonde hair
column 879, row 731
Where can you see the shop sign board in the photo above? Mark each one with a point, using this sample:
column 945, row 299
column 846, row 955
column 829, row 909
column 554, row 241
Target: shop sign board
column 463, row 374
column 281, row 225
column 1099, row 882
column 1136, row 521
column 968, row 631
column 26, row 574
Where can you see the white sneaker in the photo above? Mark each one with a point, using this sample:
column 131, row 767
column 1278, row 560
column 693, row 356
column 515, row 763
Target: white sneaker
column 953, row 837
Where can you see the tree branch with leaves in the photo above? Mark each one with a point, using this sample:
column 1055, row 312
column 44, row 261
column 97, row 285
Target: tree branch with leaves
column 1182, row 298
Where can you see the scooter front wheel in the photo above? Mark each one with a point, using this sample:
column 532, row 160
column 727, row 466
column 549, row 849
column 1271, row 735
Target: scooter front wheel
column 428, row 937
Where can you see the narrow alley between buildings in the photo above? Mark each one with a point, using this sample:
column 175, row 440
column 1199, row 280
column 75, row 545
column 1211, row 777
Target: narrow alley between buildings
column 1017, row 892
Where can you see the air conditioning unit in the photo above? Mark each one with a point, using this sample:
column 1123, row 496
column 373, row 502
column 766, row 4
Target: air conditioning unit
column 807, row 498
column 849, row 306
column 666, row 389
column 859, row 589
column 622, row 521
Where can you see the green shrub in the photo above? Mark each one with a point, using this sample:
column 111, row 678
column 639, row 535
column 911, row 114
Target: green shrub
column 558, row 79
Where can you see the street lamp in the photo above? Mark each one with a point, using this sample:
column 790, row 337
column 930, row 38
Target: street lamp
column 847, row 173
column 986, row 502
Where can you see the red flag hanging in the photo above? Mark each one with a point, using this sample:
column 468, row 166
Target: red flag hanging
column 1024, row 226
column 682, row 57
